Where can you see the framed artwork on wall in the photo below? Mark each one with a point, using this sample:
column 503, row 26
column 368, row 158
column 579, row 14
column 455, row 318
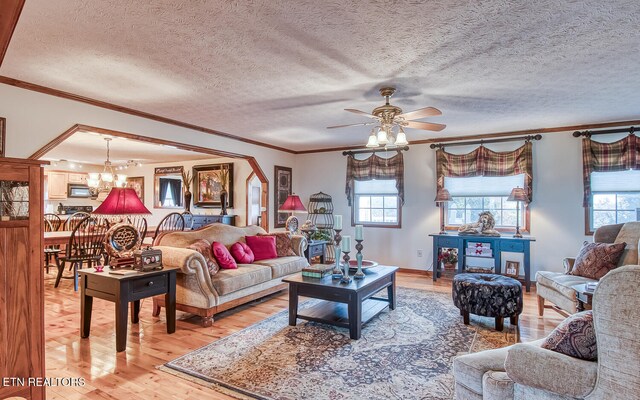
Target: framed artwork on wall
column 207, row 184
column 282, row 189
column 3, row 132
column 137, row 183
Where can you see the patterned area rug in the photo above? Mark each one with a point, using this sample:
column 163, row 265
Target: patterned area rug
column 406, row 353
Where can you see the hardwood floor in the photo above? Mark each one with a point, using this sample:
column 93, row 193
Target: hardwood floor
column 133, row 373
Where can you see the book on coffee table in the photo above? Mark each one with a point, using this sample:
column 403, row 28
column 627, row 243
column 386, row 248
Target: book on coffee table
column 317, row 270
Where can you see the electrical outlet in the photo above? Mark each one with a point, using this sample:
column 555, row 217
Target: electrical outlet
column 419, row 253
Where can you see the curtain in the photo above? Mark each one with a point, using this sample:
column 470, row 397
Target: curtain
column 164, row 186
column 375, row 167
column 621, row 155
column 485, row 162
column 175, row 186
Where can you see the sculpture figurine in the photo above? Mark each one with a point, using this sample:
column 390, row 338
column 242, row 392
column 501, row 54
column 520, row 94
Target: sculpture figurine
column 485, row 226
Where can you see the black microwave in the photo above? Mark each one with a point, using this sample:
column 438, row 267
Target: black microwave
column 78, row 190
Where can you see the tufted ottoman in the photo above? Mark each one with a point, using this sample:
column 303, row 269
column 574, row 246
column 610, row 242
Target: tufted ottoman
column 489, row 295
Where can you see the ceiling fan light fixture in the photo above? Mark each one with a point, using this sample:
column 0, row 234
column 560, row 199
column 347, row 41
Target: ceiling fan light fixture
column 373, row 141
column 382, row 136
column 401, row 138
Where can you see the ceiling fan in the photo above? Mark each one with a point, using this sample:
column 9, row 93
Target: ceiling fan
column 389, row 117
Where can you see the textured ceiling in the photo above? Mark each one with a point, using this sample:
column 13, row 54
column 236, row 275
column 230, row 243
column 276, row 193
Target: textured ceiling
column 90, row 148
column 280, row 71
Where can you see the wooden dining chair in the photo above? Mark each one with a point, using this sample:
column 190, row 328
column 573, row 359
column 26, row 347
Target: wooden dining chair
column 55, row 221
column 170, row 223
column 51, row 251
column 140, row 224
column 86, row 245
column 74, row 219
column 188, row 220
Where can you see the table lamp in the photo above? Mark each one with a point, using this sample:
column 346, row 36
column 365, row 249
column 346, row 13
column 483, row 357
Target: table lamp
column 442, row 197
column 518, row 194
column 292, row 205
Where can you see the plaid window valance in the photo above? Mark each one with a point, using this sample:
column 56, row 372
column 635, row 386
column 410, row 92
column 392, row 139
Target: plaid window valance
column 621, row 155
column 375, row 167
column 485, row 162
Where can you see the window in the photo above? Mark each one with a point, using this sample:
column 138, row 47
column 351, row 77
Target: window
column 471, row 196
column 376, row 203
column 615, row 198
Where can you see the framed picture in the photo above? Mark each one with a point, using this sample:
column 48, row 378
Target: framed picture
column 512, row 269
column 282, row 190
column 207, row 185
column 137, row 183
column 3, row 133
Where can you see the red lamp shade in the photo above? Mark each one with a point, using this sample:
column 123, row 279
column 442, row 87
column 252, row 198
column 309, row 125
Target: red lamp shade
column 292, row 204
column 121, row 201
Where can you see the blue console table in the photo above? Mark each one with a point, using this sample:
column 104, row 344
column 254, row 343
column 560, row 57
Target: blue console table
column 498, row 244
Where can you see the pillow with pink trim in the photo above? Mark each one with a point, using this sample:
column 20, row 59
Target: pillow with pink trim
column 223, row 257
column 263, row 247
column 242, row 253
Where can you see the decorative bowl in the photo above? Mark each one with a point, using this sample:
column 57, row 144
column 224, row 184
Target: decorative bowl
column 353, row 264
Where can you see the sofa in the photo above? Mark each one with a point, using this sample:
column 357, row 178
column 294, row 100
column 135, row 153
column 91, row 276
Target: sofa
column 557, row 287
column 527, row 371
column 200, row 293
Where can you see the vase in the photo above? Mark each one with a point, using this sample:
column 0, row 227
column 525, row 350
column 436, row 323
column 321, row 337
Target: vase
column 187, row 201
column 223, row 202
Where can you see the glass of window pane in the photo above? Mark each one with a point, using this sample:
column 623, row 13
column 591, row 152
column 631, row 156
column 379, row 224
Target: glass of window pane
column 603, row 218
column 390, row 202
column 604, row 201
column 377, row 202
column 364, row 215
column 509, row 205
column 391, row 216
column 456, row 202
column 508, row 218
column 492, row 203
column 377, row 215
column 626, row 216
column 629, row 202
column 455, row 217
column 472, row 215
column 364, row 202
column 474, row 202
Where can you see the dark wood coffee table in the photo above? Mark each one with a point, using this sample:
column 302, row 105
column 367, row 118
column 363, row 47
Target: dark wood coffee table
column 347, row 305
column 584, row 296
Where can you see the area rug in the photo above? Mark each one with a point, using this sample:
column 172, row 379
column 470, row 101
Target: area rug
column 406, row 353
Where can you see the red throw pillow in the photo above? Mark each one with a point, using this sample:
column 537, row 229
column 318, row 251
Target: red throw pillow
column 284, row 246
column 242, row 253
column 222, row 255
column 263, row 247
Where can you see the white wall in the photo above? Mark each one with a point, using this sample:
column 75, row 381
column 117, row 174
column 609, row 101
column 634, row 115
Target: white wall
column 557, row 216
column 34, row 119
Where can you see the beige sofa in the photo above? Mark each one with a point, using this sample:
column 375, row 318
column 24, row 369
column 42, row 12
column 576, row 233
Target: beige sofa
column 526, row 371
column 557, row 287
column 205, row 295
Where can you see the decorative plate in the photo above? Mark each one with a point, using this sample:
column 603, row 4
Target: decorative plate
column 292, row 224
column 353, row 264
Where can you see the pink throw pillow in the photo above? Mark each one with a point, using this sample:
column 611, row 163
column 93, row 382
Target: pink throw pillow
column 242, row 253
column 263, row 247
column 223, row 257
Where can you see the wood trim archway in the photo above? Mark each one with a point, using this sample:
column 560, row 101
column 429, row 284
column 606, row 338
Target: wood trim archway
column 255, row 166
column 264, row 199
column 9, row 16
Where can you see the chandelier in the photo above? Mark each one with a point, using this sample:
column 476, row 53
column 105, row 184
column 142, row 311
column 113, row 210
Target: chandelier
column 107, row 179
column 387, row 135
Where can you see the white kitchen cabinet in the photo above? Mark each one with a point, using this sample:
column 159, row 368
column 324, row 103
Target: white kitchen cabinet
column 57, row 185
column 78, row 178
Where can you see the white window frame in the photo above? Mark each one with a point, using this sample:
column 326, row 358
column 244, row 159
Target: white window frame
column 355, row 208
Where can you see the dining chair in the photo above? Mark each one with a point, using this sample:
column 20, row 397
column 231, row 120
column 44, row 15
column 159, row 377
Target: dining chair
column 140, row 223
column 170, row 223
column 86, row 245
column 74, row 219
column 51, row 251
column 188, row 220
column 55, row 221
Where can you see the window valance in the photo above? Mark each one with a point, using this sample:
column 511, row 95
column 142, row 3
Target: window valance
column 375, row 167
column 621, row 155
column 485, row 162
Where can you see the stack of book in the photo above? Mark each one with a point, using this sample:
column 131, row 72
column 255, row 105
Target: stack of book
column 479, row 257
column 317, row 271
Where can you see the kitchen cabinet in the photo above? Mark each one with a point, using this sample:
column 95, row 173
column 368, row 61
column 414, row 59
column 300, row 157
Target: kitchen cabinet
column 57, row 185
column 77, row 178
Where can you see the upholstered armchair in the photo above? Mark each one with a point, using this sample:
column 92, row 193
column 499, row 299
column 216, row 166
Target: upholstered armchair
column 527, row 371
column 557, row 287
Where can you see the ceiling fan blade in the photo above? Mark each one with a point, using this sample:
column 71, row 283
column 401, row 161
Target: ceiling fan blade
column 427, row 126
column 344, row 126
column 421, row 113
column 366, row 114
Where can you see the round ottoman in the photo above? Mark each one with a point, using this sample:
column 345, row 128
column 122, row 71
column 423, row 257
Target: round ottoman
column 489, row 295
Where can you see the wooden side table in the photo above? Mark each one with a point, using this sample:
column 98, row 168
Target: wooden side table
column 584, row 297
column 316, row 249
column 122, row 290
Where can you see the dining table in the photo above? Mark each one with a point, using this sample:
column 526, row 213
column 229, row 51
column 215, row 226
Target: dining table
column 62, row 237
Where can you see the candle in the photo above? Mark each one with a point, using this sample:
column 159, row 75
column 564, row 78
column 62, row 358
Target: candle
column 337, row 222
column 346, row 244
column 359, row 232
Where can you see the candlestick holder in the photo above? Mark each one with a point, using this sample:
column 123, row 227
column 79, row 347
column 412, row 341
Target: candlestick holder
column 337, row 272
column 359, row 274
column 345, row 270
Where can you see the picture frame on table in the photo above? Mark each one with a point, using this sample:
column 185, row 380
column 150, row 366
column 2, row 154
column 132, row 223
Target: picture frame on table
column 283, row 177
column 207, row 185
column 3, row 134
column 137, row 183
column 512, row 269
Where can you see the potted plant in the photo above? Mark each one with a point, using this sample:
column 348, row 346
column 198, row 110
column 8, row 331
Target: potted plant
column 448, row 258
column 187, row 179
